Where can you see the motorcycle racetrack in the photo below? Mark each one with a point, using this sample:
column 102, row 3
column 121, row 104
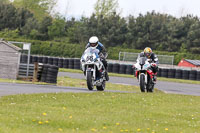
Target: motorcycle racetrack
column 167, row 87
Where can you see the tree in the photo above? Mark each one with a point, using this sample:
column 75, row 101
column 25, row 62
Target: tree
column 193, row 41
column 79, row 31
column 8, row 14
column 43, row 27
column 30, row 26
column 40, row 8
column 4, row 1
column 22, row 15
column 57, row 29
column 105, row 8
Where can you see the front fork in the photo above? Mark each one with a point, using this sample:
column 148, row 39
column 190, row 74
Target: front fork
column 93, row 70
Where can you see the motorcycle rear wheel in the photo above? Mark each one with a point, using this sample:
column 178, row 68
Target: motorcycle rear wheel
column 102, row 87
column 142, row 83
column 90, row 81
column 151, row 87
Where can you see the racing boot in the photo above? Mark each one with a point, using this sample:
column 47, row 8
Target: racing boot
column 154, row 78
column 106, row 75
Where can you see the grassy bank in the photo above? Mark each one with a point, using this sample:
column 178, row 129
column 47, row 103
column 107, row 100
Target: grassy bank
column 131, row 76
column 20, row 81
column 66, row 81
column 100, row 112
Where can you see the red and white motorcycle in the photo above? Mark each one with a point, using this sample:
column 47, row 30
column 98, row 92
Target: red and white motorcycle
column 145, row 74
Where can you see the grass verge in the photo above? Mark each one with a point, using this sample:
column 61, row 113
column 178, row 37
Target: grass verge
column 70, row 82
column 100, row 112
column 20, row 81
column 131, row 76
column 66, row 81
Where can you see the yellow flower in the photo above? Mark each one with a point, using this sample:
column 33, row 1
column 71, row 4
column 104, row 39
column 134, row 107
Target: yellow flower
column 104, row 127
column 70, row 117
column 117, row 124
column 46, row 121
column 138, row 129
column 33, row 120
column 60, row 129
column 148, row 128
column 64, row 108
column 40, row 122
column 93, row 129
column 121, row 130
column 154, row 120
column 44, row 114
column 126, row 130
column 166, row 129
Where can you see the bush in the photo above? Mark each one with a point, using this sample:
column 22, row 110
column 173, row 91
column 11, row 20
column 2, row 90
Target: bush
column 65, row 49
column 113, row 53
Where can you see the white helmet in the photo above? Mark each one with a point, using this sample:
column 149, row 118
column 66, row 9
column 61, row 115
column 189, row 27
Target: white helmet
column 93, row 41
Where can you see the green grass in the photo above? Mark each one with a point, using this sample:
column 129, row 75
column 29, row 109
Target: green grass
column 131, row 76
column 66, row 81
column 100, row 112
column 21, row 81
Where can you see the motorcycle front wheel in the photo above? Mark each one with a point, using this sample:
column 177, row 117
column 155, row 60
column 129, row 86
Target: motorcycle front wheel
column 142, row 83
column 90, row 81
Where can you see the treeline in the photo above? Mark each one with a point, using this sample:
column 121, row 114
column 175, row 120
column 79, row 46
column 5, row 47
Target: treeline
column 159, row 31
column 67, row 50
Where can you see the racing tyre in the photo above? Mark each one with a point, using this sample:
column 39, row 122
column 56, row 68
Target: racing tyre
column 90, row 81
column 102, row 87
column 150, row 87
column 142, row 83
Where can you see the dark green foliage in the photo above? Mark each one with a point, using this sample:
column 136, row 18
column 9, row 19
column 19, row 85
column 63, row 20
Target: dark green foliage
column 8, row 16
column 13, row 18
column 40, row 8
column 43, row 28
column 57, row 29
column 161, row 32
column 114, row 54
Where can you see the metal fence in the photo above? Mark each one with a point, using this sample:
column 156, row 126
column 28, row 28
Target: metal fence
column 163, row 59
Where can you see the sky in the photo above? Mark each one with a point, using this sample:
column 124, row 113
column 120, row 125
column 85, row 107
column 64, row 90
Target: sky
column 177, row 8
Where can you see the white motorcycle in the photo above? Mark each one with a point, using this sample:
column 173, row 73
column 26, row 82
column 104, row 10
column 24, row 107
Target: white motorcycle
column 93, row 69
column 144, row 74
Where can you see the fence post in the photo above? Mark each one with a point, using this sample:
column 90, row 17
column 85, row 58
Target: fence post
column 35, row 73
column 119, row 55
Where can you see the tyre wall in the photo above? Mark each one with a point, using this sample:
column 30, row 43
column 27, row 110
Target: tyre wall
column 49, row 73
column 74, row 63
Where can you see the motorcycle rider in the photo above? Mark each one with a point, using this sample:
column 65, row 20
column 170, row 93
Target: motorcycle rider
column 94, row 42
column 153, row 60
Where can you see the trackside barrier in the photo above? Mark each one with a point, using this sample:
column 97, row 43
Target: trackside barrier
column 49, row 73
column 39, row 72
column 74, row 63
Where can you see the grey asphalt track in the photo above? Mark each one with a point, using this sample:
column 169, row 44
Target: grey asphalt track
column 167, row 87
column 14, row 89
